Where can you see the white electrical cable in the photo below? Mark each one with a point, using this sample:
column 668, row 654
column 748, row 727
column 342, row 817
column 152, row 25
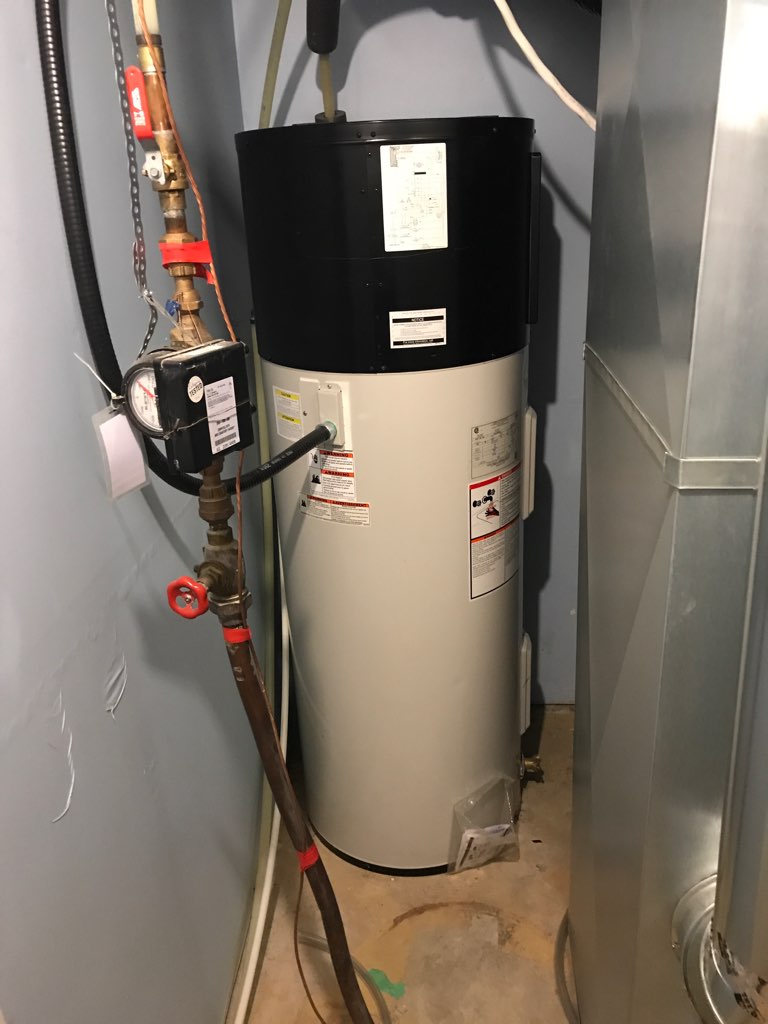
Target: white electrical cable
column 273, row 62
column 541, row 68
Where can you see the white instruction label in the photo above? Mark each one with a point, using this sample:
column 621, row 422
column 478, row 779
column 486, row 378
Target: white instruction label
column 414, row 196
column 354, row 513
column 416, row 328
column 288, row 414
column 332, row 474
column 222, row 414
column 495, row 445
column 494, row 522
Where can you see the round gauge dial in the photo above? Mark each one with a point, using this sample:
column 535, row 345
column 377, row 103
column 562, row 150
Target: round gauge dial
column 141, row 398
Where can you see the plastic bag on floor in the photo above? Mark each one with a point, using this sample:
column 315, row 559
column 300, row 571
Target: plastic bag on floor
column 485, row 825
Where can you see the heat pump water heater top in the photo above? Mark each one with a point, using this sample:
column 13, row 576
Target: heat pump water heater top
column 391, row 272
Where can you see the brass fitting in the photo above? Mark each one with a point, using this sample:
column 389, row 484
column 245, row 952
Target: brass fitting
column 533, row 769
column 215, row 504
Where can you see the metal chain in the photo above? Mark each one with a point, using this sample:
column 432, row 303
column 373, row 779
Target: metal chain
column 139, row 247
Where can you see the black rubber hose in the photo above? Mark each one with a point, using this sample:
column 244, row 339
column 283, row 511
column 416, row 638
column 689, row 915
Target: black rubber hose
column 323, row 432
column 594, row 6
column 78, row 235
column 254, row 478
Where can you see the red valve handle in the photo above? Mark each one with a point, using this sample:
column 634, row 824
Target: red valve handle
column 193, row 593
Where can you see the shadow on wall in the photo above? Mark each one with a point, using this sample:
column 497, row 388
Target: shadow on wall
column 542, row 392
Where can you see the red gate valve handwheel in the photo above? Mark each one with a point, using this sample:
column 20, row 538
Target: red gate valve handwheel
column 188, row 597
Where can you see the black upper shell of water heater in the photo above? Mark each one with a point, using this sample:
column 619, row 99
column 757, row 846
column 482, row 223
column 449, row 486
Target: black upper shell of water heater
column 324, row 284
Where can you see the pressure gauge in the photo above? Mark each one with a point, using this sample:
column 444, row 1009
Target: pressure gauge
column 140, row 390
column 169, row 394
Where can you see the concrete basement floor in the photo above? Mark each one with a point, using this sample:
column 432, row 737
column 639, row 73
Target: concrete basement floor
column 474, row 947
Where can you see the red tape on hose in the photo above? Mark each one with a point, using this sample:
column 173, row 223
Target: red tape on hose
column 237, row 634
column 308, row 857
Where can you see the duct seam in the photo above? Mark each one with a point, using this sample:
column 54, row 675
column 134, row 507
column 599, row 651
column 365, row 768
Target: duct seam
column 683, row 474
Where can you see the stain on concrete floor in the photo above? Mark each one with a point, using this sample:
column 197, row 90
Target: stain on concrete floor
column 474, row 947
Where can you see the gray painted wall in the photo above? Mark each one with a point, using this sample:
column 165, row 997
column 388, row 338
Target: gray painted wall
column 405, row 59
column 131, row 907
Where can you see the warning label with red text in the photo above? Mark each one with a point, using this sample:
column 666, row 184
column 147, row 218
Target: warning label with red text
column 354, row 513
column 494, row 527
column 332, row 474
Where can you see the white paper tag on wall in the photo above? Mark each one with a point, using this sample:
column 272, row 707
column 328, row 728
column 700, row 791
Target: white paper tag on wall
column 122, row 452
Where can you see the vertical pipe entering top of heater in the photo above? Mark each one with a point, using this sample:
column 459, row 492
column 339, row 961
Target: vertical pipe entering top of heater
column 325, row 77
column 150, row 16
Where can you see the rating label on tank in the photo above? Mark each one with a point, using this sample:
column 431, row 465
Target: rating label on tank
column 495, row 445
column 414, row 196
column 354, row 513
column 416, row 328
column 288, row 414
column 494, row 527
column 332, row 474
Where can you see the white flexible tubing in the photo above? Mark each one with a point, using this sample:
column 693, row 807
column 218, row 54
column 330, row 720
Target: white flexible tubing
column 273, row 63
column 269, row 833
column 541, row 68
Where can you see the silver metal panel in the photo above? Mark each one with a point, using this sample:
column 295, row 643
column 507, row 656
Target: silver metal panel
column 741, row 910
column 721, row 925
column 674, row 411
column 630, row 538
column 659, row 73
column 733, row 299
column 660, row 636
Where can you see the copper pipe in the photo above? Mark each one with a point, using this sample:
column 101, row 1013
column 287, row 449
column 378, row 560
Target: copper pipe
column 191, row 329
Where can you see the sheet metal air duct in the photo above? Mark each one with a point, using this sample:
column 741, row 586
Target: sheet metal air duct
column 724, row 947
column 673, row 482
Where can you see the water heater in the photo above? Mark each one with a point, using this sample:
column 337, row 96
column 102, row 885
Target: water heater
column 391, row 271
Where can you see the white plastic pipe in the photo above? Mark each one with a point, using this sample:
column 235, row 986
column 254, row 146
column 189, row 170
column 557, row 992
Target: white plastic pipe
column 150, row 16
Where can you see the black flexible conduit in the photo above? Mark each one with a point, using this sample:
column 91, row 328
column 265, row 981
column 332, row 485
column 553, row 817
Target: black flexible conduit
column 71, row 192
column 70, row 186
